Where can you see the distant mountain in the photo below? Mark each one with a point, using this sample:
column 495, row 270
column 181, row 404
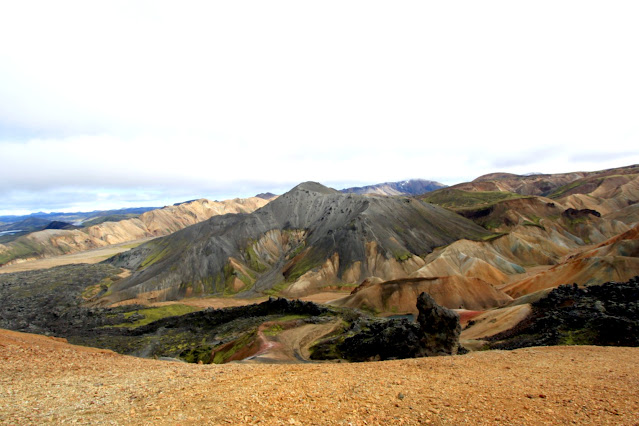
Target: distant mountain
column 28, row 223
column 307, row 239
column 158, row 222
column 60, row 225
column 266, row 195
column 406, row 187
column 73, row 217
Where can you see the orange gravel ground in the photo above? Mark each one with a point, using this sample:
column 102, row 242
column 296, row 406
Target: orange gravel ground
column 46, row 380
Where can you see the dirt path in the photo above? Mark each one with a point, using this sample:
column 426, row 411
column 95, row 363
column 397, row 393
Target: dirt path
column 44, row 380
column 89, row 256
column 292, row 345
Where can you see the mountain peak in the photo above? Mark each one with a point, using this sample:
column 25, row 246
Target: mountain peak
column 314, row 187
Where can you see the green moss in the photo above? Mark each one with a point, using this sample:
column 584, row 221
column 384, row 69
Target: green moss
column 302, row 266
column 557, row 193
column 103, row 288
column 277, row 288
column 230, row 273
column 273, row 330
column 198, row 354
column 371, row 310
column 534, row 221
column 154, row 258
column 492, row 237
column 340, row 285
column 156, row 313
column 20, row 249
column 297, row 250
column 253, row 259
column 578, row 337
column 291, row 317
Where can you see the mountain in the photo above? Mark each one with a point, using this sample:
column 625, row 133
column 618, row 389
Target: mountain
column 549, row 230
column 54, row 242
column 266, row 195
column 406, row 187
column 310, row 238
column 74, row 217
column 619, row 184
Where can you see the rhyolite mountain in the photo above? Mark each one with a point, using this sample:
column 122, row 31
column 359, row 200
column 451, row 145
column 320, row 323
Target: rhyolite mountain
column 58, row 240
column 310, row 238
column 405, row 187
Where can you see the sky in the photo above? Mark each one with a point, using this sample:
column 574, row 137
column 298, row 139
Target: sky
column 147, row 103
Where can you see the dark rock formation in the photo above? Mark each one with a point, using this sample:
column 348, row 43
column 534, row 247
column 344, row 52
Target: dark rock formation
column 582, row 213
column 440, row 327
column 436, row 332
column 51, row 302
column 606, row 315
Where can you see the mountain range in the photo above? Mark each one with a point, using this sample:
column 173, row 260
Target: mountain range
column 492, row 249
column 153, row 223
column 310, row 238
column 406, row 187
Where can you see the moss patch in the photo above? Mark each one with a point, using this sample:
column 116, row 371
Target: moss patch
column 153, row 314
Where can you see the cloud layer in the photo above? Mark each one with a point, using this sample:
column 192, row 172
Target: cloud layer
column 145, row 102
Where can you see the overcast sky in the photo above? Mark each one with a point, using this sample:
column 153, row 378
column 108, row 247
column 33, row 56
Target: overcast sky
column 111, row 104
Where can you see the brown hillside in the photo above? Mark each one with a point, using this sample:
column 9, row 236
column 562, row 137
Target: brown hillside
column 47, row 381
column 399, row 296
column 154, row 223
column 616, row 259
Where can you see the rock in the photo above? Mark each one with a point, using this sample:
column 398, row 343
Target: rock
column 606, row 315
column 440, row 327
column 436, row 332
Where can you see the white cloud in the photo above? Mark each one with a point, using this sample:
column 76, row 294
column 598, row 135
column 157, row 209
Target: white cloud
column 161, row 96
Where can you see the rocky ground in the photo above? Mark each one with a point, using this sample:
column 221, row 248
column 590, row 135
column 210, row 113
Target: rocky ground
column 46, row 380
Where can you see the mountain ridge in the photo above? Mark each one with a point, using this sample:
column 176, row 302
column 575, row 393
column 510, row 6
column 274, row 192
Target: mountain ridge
column 406, row 187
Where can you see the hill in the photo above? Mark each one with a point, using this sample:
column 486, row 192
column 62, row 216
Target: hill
column 307, row 239
column 543, row 239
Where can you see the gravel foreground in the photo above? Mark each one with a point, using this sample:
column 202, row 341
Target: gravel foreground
column 44, row 379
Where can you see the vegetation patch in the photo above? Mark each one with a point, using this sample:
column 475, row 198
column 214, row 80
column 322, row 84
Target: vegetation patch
column 109, row 218
column 402, row 256
column 100, row 289
column 493, row 237
column 273, row 330
column 199, row 354
column 302, row 264
column 456, row 199
column 20, row 249
column 277, row 288
column 148, row 315
column 155, row 257
column 253, row 259
column 534, row 221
